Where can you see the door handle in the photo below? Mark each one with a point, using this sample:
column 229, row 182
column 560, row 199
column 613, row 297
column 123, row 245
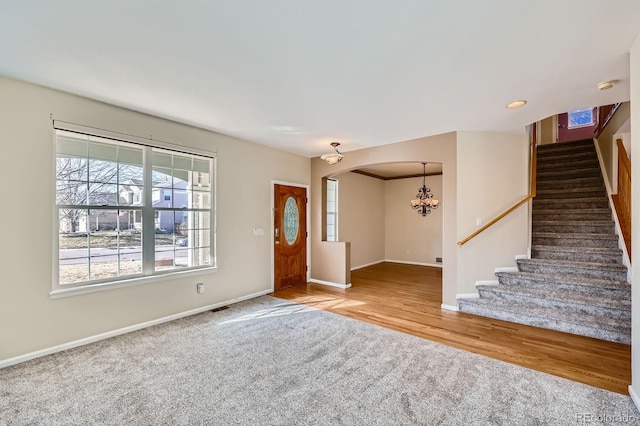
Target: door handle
column 277, row 235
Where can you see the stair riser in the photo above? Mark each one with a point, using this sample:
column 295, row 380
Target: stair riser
column 566, row 148
column 565, row 152
column 580, row 329
column 602, row 273
column 575, row 242
column 576, row 229
column 576, row 256
column 578, row 174
column 608, row 293
column 571, row 215
column 544, row 166
column 570, row 204
column 593, row 182
column 587, row 193
column 562, row 159
column 618, row 314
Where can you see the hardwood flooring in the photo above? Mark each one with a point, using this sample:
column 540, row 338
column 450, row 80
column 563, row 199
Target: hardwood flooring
column 407, row 298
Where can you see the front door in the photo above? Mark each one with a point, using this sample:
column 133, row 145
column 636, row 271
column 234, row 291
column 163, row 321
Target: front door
column 290, row 236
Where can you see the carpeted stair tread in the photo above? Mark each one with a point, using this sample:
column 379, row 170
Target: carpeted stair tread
column 602, row 250
column 568, row 235
column 582, row 324
column 563, row 296
column 585, row 182
column 568, row 280
column 573, row 146
column 581, row 265
column 576, row 214
column 596, row 191
column 573, row 226
column 567, row 174
column 590, row 163
column 559, row 157
column 573, row 201
column 577, row 253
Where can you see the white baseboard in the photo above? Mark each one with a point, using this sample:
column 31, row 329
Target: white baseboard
column 449, row 307
column 92, row 339
column 507, row 269
column 634, row 397
column 435, row 265
column 487, row 282
column 523, row 256
column 329, row 283
column 367, row 264
column 467, row 296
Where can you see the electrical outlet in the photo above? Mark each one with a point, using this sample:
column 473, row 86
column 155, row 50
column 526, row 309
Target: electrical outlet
column 200, row 288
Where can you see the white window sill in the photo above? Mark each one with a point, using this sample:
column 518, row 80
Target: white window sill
column 97, row 287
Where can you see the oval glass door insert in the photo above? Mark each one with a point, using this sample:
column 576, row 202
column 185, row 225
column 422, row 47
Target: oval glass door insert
column 291, row 223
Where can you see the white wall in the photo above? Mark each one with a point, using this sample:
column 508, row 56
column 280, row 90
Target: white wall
column 493, row 175
column 635, row 222
column 410, row 237
column 361, row 217
column 29, row 319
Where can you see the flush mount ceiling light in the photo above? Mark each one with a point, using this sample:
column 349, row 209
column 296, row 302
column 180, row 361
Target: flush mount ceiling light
column 424, row 201
column 606, row 85
column 516, row 104
column 333, row 157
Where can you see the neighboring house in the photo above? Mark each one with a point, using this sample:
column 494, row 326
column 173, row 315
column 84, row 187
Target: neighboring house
column 164, row 194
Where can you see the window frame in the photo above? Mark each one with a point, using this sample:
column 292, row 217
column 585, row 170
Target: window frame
column 578, row 126
column 149, row 273
column 333, row 213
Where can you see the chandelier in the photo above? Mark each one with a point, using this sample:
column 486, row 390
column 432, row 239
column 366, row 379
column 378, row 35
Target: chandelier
column 424, row 201
column 334, row 157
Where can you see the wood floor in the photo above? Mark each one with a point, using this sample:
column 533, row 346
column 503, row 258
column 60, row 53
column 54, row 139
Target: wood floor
column 407, row 298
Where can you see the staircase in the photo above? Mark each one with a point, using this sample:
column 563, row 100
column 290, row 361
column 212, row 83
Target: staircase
column 575, row 280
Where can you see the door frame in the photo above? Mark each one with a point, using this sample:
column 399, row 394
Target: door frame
column 272, row 227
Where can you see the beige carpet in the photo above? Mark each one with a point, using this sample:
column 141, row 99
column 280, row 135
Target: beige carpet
column 272, row 362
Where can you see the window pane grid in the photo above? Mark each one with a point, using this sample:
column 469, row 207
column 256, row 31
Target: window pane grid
column 100, row 186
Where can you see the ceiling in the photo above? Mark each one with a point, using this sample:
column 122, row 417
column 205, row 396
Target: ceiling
column 297, row 75
column 389, row 171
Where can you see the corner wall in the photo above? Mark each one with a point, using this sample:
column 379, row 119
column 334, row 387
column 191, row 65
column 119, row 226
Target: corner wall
column 361, row 215
column 29, row 319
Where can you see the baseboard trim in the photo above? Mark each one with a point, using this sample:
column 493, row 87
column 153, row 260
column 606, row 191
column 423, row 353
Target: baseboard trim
column 367, row 264
column 634, row 397
column 507, row 269
column 449, row 307
column 435, row 265
column 329, row 283
column 96, row 338
column 487, row 282
column 523, row 256
column 467, row 296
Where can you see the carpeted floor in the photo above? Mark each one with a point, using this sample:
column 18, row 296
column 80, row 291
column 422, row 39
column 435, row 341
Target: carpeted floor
column 272, row 362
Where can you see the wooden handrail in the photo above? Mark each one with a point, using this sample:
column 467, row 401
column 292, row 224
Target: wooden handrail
column 532, row 192
column 622, row 197
column 502, row 215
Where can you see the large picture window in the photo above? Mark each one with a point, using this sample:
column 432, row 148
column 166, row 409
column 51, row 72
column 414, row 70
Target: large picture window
column 127, row 210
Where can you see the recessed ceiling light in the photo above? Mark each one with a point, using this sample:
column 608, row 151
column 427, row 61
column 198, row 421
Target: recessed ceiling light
column 606, row 85
column 516, row 104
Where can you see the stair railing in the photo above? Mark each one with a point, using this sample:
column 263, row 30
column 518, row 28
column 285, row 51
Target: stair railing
column 532, row 190
column 622, row 199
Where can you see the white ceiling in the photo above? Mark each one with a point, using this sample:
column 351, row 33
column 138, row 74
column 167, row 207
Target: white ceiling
column 298, row 74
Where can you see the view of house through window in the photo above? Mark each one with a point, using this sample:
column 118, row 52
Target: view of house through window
column 332, row 210
column 581, row 117
column 128, row 210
